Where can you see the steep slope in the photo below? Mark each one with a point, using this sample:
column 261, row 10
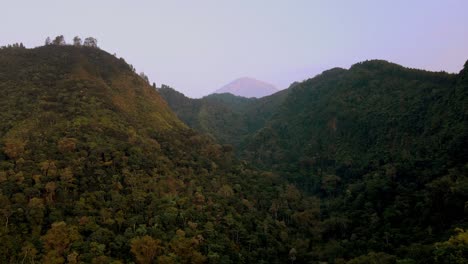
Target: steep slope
column 261, row 110
column 373, row 111
column 384, row 148
column 381, row 145
column 216, row 115
column 248, row 87
column 95, row 168
column 224, row 117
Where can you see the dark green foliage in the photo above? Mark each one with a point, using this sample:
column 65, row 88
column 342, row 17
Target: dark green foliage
column 225, row 117
column 217, row 115
column 383, row 146
column 369, row 165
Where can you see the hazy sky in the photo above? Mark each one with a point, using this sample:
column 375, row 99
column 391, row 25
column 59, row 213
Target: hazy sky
column 198, row 46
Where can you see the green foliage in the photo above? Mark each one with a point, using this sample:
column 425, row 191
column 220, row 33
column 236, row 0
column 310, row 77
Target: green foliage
column 364, row 165
column 95, row 168
column 455, row 250
column 384, row 148
column 227, row 118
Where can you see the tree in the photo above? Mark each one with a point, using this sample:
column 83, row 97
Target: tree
column 90, row 42
column 145, row 249
column 66, row 145
column 14, row 148
column 292, row 255
column 50, row 188
column 36, row 209
column 76, row 41
column 48, row 41
column 29, row 252
column 226, row 191
column 59, row 40
column 144, row 77
column 186, row 248
column 57, row 241
column 5, row 209
column 454, row 250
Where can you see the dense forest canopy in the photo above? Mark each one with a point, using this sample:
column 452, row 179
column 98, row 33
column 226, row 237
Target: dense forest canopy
column 366, row 165
column 384, row 147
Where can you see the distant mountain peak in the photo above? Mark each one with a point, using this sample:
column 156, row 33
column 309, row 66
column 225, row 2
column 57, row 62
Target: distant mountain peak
column 248, row 87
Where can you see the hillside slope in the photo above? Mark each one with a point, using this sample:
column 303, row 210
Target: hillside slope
column 384, row 148
column 227, row 118
column 381, row 145
column 95, row 168
column 217, row 115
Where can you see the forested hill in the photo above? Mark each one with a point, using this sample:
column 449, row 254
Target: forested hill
column 226, row 117
column 384, row 147
column 372, row 114
column 366, row 165
column 74, row 82
column 217, row 115
column 95, row 168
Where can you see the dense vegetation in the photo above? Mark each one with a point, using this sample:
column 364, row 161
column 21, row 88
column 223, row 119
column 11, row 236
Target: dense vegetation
column 366, row 165
column 383, row 147
column 225, row 117
column 95, row 168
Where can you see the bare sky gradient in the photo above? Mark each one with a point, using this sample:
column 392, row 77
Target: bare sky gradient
column 198, row 46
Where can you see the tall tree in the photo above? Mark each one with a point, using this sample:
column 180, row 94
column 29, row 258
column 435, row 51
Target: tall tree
column 145, row 249
column 90, row 42
column 59, row 40
column 77, row 41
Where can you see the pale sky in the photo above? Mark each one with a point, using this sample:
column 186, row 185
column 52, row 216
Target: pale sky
column 199, row 46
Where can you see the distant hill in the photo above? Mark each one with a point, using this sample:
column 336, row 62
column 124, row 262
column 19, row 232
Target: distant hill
column 248, row 87
column 226, row 117
column 217, row 115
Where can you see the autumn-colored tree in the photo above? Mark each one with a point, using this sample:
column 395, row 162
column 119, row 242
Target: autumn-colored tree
column 50, row 188
column 29, row 252
column 199, row 200
column 14, row 148
column 57, row 241
column 226, row 191
column 48, row 168
column 145, row 249
column 186, row 248
column 66, row 145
